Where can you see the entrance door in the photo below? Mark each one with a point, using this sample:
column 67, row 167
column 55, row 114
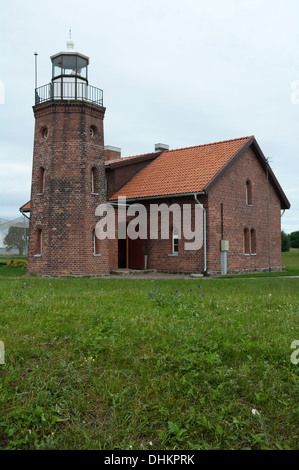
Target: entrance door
column 122, row 254
column 136, row 253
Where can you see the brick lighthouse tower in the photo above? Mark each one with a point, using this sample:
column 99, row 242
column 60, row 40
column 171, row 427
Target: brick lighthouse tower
column 68, row 173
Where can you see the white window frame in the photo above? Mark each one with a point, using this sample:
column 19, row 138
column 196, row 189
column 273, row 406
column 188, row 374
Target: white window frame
column 175, row 241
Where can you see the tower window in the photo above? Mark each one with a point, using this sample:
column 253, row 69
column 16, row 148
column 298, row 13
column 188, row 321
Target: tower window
column 92, row 131
column 246, row 241
column 44, row 132
column 41, row 180
column 96, row 244
column 38, row 244
column 93, row 180
column 248, row 193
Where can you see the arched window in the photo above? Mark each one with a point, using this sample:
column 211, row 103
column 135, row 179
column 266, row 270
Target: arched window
column 252, row 241
column 246, row 241
column 44, row 132
column 38, row 242
column 248, row 193
column 93, row 180
column 41, row 180
column 96, row 244
column 175, row 240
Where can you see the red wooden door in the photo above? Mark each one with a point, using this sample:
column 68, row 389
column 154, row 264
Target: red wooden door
column 136, row 253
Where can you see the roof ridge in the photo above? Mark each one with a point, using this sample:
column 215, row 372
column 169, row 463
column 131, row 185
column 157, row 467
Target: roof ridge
column 182, row 148
column 211, row 143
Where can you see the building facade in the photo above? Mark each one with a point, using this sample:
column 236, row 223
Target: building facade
column 74, row 173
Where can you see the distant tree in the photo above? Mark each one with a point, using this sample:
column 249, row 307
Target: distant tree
column 294, row 239
column 15, row 239
column 285, row 242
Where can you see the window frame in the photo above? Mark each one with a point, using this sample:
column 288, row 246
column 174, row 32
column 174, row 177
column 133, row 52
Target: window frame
column 95, row 244
column 93, row 177
column 38, row 242
column 175, row 241
column 246, row 241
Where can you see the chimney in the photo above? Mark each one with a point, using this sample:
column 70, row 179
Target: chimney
column 161, row 147
column 112, row 153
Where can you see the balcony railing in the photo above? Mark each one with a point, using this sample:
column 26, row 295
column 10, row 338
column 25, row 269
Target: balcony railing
column 69, row 91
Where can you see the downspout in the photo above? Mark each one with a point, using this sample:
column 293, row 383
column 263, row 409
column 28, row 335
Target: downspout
column 204, row 231
column 268, row 216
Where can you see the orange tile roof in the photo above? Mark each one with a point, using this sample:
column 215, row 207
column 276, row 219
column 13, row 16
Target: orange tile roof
column 187, row 170
column 26, row 207
column 181, row 171
column 128, row 159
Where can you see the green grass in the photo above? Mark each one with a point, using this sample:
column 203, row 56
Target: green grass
column 140, row 364
column 291, row 258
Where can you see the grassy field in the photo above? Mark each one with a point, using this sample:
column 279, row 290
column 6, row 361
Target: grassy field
column 290, row 260
column 147, row 364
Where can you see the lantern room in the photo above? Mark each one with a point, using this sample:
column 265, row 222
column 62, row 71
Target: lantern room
column 69, row 79
column 69, row 64
column 69, row 74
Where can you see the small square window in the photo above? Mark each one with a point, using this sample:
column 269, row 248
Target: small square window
column 175, row 241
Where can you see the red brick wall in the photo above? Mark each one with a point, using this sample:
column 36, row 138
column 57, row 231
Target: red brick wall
column 237, row 215
column 65, row 211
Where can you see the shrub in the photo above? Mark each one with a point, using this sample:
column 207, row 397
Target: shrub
column 285, row 242
column 294, row 239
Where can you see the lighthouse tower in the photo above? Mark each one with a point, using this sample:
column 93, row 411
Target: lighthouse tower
column 68, row 173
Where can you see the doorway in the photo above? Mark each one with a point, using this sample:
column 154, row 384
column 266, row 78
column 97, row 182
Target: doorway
column 131, row 253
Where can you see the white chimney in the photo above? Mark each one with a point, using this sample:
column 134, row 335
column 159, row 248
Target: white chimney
column 161, row 147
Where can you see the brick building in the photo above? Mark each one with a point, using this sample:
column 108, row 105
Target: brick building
column 74, row 173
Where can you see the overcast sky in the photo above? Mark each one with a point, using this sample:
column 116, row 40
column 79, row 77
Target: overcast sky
column 182, row 73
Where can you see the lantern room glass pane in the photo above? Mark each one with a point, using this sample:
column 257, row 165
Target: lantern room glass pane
column 82, row 67
column 70, row 64
column 57, row 65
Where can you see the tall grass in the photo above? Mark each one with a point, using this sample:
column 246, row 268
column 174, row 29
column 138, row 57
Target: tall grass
column 138, row 364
